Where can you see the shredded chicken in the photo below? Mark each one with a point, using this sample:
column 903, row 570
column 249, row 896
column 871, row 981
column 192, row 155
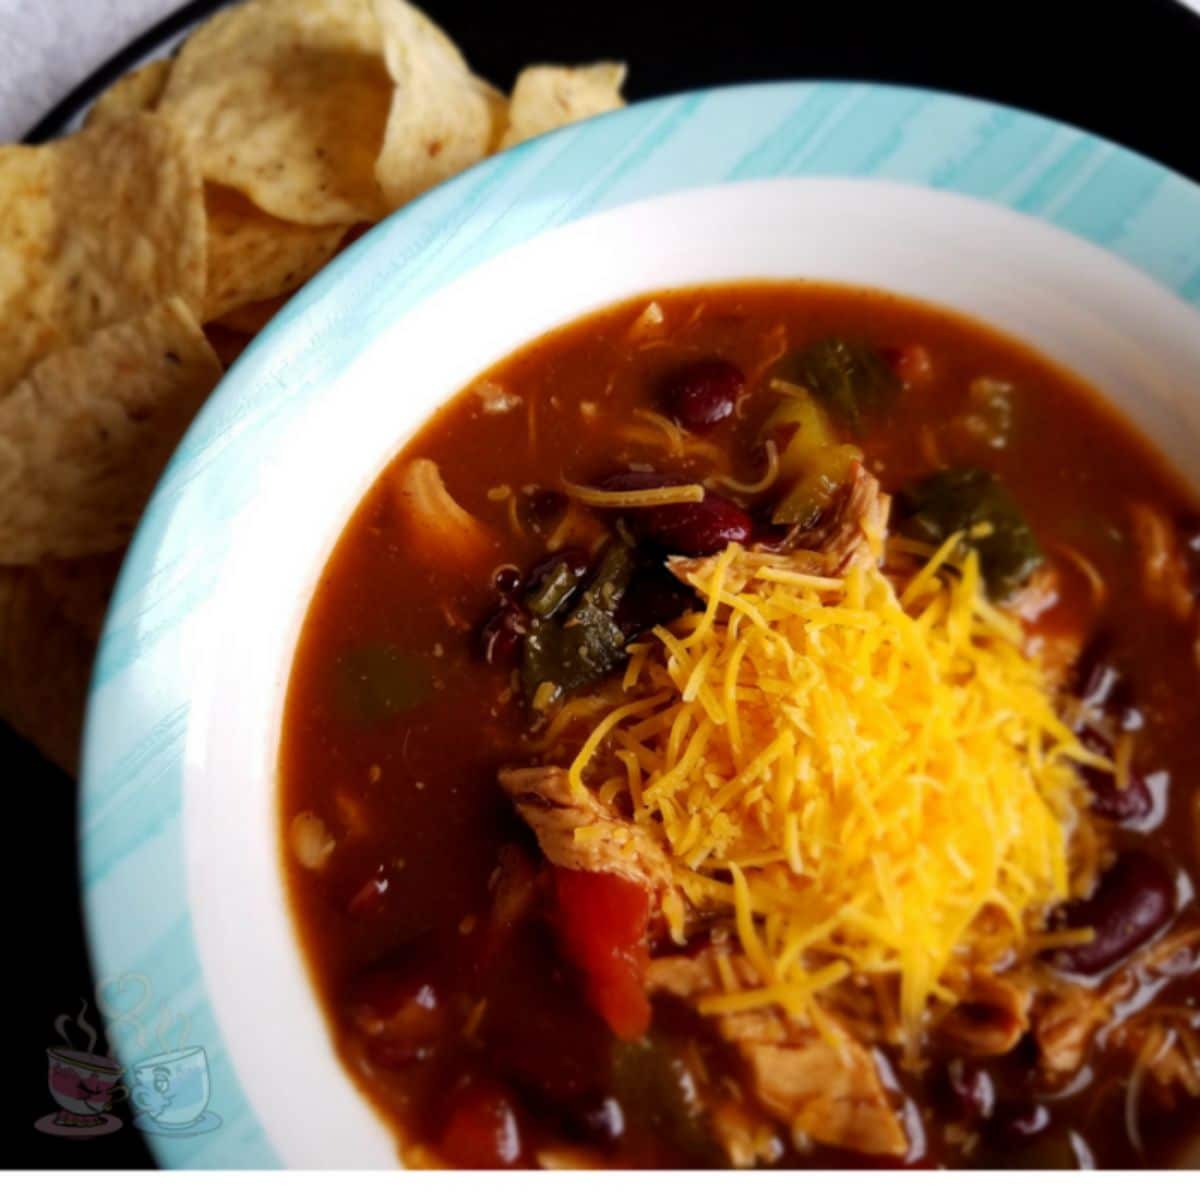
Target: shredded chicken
column 1067, row 1019
column 439, row 529
column 831, row 1093
column 1064, row 1026
column 546, row 802
column 855, row 528
column 1058, row 646
column 1168, row 1046
column 859, row 528
column 1039, row 593
column 1164, row 571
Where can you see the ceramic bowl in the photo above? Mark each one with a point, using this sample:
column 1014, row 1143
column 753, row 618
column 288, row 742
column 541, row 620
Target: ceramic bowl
column 1081, row 249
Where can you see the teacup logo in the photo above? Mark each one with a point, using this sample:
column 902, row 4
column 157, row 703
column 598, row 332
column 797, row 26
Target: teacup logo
column 170, row 1093
column 83, row 1084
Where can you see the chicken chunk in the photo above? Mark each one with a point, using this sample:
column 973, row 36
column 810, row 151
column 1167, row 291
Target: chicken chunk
column 1164, row 570
column 832, row 1094
column 575, row 830
column 991, row 1017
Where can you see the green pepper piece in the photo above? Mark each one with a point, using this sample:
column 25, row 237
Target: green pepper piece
column 826, row 470
column 555, row 590
column 577, row 651
column 974, row 501
column 848, row 375
column 652, row 1083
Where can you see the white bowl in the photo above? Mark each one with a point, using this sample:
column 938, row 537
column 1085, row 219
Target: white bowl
column 182, row 857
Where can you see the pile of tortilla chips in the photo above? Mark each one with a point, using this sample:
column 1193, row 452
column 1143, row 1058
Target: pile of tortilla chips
column 139, row 256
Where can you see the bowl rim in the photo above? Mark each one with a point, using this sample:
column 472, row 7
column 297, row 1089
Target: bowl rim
column 131, row 792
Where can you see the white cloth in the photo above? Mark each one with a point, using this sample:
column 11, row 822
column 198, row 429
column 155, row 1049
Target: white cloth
column 48, row 47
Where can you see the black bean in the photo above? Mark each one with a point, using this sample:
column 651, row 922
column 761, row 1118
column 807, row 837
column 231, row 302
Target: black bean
column 501, row 636
column 506, row 580
column 1134, row 899
column 702, row 394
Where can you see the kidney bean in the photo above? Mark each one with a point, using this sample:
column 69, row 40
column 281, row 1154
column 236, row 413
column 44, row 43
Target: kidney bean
column 1100, row 682
column 1133, row 802
column 500, row 637
column 695, row 529
column 1095, row 673
column 1131, row 903
column 971, row 1090
column 702, row 394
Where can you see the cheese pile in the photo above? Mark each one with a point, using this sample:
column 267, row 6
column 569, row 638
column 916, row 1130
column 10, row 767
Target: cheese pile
column 858, row 773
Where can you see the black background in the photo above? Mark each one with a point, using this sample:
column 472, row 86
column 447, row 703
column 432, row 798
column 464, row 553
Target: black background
column 1127, row 69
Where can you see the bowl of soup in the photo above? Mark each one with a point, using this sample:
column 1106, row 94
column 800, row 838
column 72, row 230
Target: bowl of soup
column 685, row 658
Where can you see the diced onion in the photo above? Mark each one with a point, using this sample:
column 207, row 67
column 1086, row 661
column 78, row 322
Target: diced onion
column 312, row 843
column 649, row 320
column 495, row 399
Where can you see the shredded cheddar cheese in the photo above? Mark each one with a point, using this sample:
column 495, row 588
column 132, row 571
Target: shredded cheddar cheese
column 869, row 782
column 684, row 493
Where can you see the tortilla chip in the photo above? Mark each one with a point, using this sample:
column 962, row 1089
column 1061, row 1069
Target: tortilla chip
column 81, row 587
column 94, row 229
column 250, row 319
column 253, row 256
column 45, row 664
column 85, row 435
column 139, row 91
column 546, row 98
column 286, row 101
column 443, row 118
column 227, row 344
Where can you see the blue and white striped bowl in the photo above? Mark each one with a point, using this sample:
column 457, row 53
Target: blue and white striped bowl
column 1083, row 249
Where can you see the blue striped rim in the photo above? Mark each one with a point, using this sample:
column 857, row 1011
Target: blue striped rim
column 132, row 852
